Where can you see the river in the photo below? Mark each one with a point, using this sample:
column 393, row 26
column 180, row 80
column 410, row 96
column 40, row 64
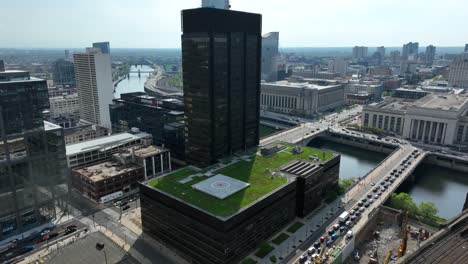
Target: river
column 134, row 83
column 355, row 162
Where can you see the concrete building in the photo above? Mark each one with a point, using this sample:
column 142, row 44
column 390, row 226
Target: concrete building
column 64, row 73
column 433, row 119
column 103, row 46
column 221, row 4
column 338, row 66
column 410, row 49
column 458, row 74
column 33, row 171
column 80, row 132
column 430, row 54
column 381, row 51
column 221, row 61
column 302, row 99
column 100, row 149
column 65, row 105
column 94, row 83
column 408, row 67
column 359, row 52
column 363, row 92
column 410, row 93
column 270, row 53
column 395, row 57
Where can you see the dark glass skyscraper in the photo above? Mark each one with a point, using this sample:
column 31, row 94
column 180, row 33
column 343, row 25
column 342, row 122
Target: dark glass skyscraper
column 64, row 72
column 33, row 167
column 221, row 52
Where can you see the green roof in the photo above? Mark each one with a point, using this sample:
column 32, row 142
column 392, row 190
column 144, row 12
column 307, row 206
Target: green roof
column 253, row 172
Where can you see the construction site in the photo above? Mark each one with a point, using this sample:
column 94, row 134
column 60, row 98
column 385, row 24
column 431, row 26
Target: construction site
column 385, row 239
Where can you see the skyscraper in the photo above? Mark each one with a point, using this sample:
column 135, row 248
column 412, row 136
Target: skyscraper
column 359, row 52
column 410, row 48
column 381, row 51
column 221, row 52
column 466, row 47
column 93, row 73
column 270, row 43
column 338, row 65
column 33, row 167
column 103, row 46
column 458, row 74
column 430, row 54
column 64, row 72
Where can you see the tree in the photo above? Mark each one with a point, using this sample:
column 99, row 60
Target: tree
column 428, row 209
column 404, row 201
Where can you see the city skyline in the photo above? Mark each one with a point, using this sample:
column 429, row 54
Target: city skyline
column 156, row 24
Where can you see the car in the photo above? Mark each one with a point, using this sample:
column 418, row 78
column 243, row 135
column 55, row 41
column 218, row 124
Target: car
column 376, row 196
column 331, row 232
column 351, row 212
column 372, row 184
column 362, row 209
column 375, row 190
column 349, row 234
column 322, row 238
column 334, row 236
column 387, row 178
column 369, row 195
column 382, row 183
column 371, row 200
column 317, row 245
column 383, row 188
column 311, row 251
column 349, row 223
column 45, row 232
column 303, row 258
column 392, row 179
column 360, row 204
column 126, row 207
column 336, row 227
column 364, row 200
column 366, row 205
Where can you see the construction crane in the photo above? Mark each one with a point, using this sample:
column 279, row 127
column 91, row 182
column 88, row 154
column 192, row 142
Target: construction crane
column 404, row 241
column 387, row 258
column 318, row 258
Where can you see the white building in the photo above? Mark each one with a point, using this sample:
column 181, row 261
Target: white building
column 93, row 73
column 338, row 66
column 221, row 4
column 458, row 74
column 64, row 105
column 433, row 119
column 359, row 52
column 304, row 99
column 270, row 43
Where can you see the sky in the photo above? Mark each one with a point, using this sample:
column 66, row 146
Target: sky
column 301, row 23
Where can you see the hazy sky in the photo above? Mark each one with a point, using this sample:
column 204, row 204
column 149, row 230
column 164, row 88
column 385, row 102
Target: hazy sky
column 301, row 23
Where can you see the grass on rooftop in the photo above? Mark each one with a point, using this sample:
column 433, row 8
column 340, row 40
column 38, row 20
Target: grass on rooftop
column 253, row 172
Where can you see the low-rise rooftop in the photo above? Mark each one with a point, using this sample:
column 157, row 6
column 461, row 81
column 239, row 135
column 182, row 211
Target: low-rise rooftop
column 298, row 85
column 261, row 174
column 106, row 170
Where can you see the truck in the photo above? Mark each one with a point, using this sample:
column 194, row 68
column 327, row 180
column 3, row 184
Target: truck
column 110, row 197
column 343, row 217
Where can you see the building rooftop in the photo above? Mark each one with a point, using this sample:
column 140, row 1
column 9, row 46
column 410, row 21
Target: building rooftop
column 100, row 143
column 143, row 152
column 444, row 102
column 299, row 85
column 253, row 169
column 106, row 170
column 51, row 126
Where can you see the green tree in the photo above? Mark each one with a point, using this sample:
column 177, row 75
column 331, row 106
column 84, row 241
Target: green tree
column 428, row 209
column 404, row 201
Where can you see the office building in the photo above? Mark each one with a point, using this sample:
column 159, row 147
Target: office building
column 301, row 99
column 410, row 49
column 64, row 73
column 221, row 51
column 458, row 73
column 432, row 119
column 363, row 92
column 338, row 66
column 33, row 171
column 101, row 149
column 122, row 172
column 270, row 54
column 381, row 51
column 2, row 66
column 94, row 83
column 103, row 46
column 430, row 54
column 78, row 131
column 65, row 105
column 395, row 57
column 221, row 4
column 466, row 47
column 197, row 214
column 359, row 52
column 153, row 116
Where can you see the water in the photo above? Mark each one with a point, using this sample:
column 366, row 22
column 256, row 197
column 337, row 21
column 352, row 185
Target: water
column 444, row 187
column 354, row 162
column 134, row 83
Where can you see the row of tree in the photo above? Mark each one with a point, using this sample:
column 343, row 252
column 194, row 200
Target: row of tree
column 404, row 201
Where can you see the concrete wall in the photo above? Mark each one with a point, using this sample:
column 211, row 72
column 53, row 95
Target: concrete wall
column 359, row 143
column 447, row 162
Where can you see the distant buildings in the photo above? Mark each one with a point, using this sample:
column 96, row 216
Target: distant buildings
column 221, row 82
column 103, row 46
column 78, row 132
column 65, row 105
column 359, row 52
column 363, row 92
column 430, row 54
column 338, row 66
column 381, row 51
column 162, row 118
column 221, row 4
column 466, row 47
column 458, row 74
column 33, row 171
column 94, row 83
column 434, row 119
column 410, row 49
column 270, row 42
column 64, row 73
column 301, row 99
column 395, row 57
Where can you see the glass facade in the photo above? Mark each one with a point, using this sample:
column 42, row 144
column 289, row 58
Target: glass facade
column 221, row 64
column 64, row 73
column 33, row 168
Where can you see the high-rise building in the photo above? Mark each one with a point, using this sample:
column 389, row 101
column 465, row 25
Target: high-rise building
column 458, row 74
column 221, row 51
column 395, row 57
column 270, row 42
column 33, row 168
column 466, row 47
column 103, row 46
column 381, row 51
column 64, row 72
column 430, row 54
column 338, row 66
column 2, row 66
column 359, row 52
column 409, row 49
column 221, row 4
column 93, row 74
